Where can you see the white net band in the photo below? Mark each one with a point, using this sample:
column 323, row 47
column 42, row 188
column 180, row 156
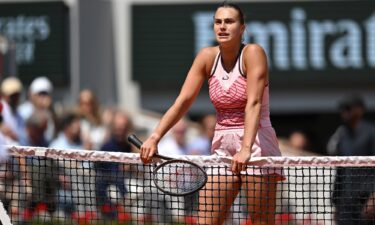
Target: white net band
column 133, row 158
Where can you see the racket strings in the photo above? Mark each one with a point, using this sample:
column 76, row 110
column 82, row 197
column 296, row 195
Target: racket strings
column 179, row 177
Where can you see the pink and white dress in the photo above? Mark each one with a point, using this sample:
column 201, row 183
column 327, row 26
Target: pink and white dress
column 228, row 94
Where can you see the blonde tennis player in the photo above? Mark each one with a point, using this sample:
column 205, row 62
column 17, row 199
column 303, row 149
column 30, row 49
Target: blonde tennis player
column 238, row 82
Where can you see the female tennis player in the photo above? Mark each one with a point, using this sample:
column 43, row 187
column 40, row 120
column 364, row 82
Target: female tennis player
column 237, row 75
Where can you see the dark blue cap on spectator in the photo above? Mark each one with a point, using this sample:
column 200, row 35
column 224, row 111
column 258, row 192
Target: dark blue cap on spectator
column 350, row 102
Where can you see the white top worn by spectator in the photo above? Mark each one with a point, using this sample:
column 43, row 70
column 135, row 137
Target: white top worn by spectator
column 175, row 144
column 13, row 124
column 13, row 121
column 201, row 145
column 95, row 133
column 3, row 150
column 62, row 142
column 169, row 146
column 92, row 127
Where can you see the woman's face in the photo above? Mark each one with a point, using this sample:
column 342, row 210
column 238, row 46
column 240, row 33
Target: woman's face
column 86, row 102
column 227, row 26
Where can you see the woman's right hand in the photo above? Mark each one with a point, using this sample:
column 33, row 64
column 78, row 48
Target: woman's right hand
column 148, row 149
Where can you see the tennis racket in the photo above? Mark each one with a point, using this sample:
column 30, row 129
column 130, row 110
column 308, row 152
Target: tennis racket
column 175, row 177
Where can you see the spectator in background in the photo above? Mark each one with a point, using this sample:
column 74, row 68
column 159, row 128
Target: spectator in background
column 13, row 124
column 36, row 125
column 4, row 140
column 40, row 98
column 92, row 127
column 70, row 135
column 354, row 137
column 111, row 173
column 107, row 116
column 299, row 140
column 176, row 143
column 10, row 174
column 75, row 187
column 202, row 144
column 44, row 172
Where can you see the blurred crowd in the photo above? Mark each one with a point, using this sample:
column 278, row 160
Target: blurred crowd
column 33, row 121
column 51, row 186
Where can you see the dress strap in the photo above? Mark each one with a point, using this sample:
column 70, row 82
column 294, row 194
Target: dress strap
column 240, row 67
column 215, row 64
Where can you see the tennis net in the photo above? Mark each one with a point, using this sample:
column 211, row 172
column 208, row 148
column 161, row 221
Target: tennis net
column 55, row 186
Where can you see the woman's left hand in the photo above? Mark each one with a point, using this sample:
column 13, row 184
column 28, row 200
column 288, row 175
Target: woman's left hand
column 240, row 160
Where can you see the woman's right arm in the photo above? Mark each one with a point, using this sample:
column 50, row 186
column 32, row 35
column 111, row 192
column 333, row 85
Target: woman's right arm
column 189, row 91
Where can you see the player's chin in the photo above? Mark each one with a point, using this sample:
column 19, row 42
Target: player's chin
column 223, row 39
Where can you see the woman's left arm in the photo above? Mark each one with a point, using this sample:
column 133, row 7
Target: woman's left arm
column 255, row 60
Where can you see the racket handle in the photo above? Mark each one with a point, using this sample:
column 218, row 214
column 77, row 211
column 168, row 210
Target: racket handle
column 133, row 139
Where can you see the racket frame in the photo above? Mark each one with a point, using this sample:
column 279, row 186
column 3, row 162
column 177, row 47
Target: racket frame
column 171, row 161
column 133, row 139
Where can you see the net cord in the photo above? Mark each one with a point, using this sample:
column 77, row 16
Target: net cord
column 133, row 158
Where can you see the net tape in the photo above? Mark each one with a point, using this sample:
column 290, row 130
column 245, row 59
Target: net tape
column 132, row 158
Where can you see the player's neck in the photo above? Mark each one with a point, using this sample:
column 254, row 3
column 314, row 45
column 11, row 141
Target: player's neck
column 229, row 56
column 230, row 52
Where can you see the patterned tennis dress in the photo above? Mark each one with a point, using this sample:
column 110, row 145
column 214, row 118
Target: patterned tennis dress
column 227, row 91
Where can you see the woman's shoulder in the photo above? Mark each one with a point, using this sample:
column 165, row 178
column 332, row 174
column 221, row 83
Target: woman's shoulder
column 209, row 52
column 253, row 49
column 253, row 55
column 206, row 57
